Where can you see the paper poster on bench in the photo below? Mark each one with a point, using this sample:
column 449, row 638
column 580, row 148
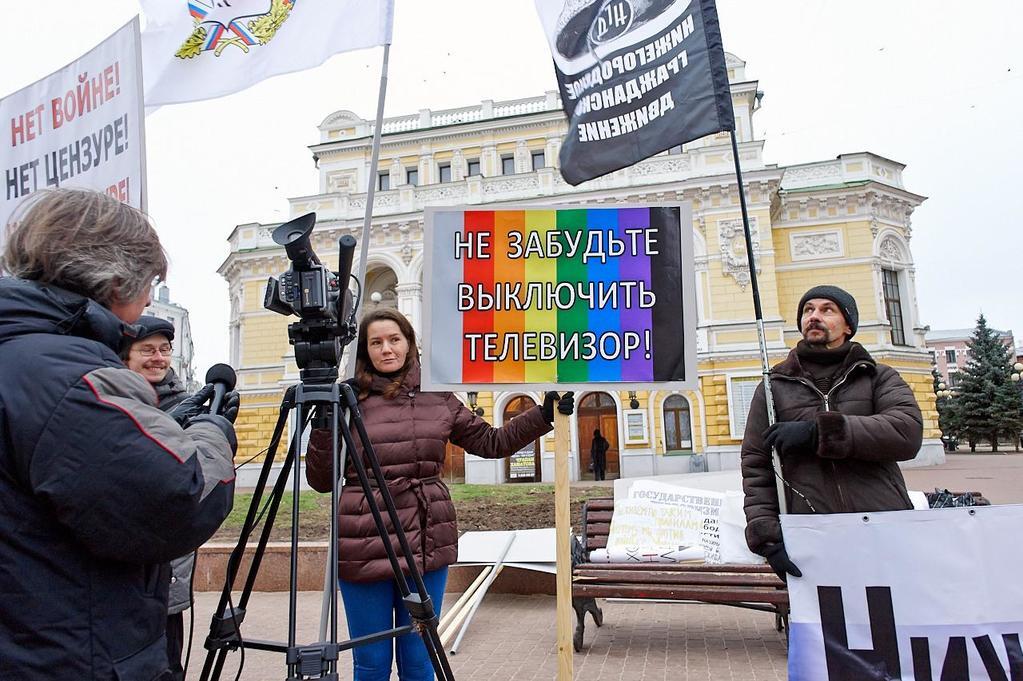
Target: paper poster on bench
column 912, row 595
column 537, row 297
column 659, row 515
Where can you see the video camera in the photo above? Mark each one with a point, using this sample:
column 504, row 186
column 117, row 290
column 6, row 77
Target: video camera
column 319, row 297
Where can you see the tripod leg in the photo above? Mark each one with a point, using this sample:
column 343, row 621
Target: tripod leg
column 216, row 656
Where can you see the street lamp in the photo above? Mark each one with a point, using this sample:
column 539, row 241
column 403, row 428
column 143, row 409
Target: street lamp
column 1017, row 372
column 473, row 407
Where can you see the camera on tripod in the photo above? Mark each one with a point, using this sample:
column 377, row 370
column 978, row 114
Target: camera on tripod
column 318, row 296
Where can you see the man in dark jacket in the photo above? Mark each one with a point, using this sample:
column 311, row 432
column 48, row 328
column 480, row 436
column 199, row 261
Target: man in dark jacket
column 843, row 421
column 99, row 489
column 150, row 356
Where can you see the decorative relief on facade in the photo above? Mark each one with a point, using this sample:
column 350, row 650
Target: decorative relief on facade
column 657, row 166
column 444, row 193
column 342, row 182
column 511, row 185
column 816, row 245
column 814, row 173
column 734, row 261
column 891, row 250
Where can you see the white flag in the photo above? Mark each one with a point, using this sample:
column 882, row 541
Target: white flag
column 200, row 49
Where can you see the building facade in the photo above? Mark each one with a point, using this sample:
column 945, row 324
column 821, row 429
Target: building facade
column 844, row 221
column 184, row 351
column 950, row 352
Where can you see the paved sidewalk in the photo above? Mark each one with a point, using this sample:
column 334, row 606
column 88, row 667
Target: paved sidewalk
column 512, row 638
column 999, row 477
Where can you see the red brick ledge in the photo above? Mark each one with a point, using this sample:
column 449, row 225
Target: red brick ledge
column 211, row 571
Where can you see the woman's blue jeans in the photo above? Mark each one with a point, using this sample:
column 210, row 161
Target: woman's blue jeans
column 377, row 606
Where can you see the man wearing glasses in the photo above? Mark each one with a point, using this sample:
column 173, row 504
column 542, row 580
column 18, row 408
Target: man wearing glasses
column 150, row 356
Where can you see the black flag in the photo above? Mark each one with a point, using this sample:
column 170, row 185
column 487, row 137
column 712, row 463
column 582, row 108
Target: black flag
column 636, row 77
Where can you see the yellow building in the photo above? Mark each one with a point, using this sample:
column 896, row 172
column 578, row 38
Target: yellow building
column 844, row 221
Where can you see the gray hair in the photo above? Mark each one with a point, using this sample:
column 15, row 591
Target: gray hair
column 86, row 242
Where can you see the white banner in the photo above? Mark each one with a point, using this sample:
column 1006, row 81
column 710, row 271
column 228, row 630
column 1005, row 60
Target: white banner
column 200, row 49
column 81, row 126
column 922, row 595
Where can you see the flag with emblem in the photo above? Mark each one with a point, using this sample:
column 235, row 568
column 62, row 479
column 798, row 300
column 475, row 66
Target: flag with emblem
column 200, row 49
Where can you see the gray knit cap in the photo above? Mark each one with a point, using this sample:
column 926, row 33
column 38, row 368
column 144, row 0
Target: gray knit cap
column 846, row 303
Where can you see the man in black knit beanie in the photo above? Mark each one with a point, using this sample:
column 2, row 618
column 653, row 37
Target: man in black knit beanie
column 843, row 422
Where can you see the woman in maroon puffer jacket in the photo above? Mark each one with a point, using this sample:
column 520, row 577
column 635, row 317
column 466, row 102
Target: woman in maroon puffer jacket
column 409, row 431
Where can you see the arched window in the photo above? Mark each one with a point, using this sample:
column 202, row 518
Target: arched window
column 523, row 465
column 678, row 426
column 380, row 283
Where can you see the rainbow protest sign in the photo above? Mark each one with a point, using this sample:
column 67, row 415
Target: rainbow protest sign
column 537, row 297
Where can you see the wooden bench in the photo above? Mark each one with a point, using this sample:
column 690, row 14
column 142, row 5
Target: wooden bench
column 755, row 587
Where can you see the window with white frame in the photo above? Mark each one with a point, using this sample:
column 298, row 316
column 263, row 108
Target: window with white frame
column 445, row 172
column 742, row 389
column 893, row 305
column 507, row 165
column 539, row 160
column 950, row 356
column 678, row 426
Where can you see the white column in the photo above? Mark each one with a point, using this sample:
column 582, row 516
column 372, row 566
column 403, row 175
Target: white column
column 410, row 302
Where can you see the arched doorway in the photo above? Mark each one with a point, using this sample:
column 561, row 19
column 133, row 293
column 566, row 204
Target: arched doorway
column 523, row 465
column 380, row 289
column 678, row 425
column 597, row 411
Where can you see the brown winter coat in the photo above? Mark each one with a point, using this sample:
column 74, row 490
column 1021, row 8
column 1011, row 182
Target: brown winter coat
column 867, row 422
column 409, row 434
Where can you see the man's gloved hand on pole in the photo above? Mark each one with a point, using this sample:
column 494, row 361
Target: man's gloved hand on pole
column 792, row 437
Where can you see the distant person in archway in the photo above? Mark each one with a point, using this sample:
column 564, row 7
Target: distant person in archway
column 598, row 454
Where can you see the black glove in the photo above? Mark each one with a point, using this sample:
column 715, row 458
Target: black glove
column 780, row 562
column 229, row 406
column 566, row 405
column 792, row 437
column 192, row 406
column 221, row 422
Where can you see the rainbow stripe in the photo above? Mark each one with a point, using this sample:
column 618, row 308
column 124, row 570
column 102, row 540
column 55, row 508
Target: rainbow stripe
column 656, row 332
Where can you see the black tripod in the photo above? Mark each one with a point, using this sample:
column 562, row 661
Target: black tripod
column 319, row 660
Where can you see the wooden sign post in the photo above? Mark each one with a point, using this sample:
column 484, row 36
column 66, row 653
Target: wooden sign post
column 563, row 534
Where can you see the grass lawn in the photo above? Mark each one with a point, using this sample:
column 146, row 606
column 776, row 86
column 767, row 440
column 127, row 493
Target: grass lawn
column 478, row 507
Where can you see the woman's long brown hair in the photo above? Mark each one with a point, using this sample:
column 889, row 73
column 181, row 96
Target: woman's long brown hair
column 364, row 369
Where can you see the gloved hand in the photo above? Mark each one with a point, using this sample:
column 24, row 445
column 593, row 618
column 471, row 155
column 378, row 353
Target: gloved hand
column 566, row 404
column 780, row 562
column 792, row 437
column 229, row 406
column 192, row 406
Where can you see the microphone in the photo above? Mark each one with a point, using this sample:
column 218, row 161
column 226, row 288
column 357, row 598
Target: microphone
column 223, row 379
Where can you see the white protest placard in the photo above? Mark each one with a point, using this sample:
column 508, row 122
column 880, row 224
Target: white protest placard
column 657, row 515
column 81, row 126
column 910, row 595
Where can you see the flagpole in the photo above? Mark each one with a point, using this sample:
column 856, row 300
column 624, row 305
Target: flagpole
column 758, row 311
column 363, row 256
column 374, row 159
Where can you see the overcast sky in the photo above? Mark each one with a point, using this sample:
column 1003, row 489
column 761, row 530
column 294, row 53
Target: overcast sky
column 934, row 85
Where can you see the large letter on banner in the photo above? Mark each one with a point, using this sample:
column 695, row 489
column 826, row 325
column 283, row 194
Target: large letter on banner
column 922, row 595
column 81, row 126
column 636, row 77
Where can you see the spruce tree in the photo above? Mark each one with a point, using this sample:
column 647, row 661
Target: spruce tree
column 987, row 402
